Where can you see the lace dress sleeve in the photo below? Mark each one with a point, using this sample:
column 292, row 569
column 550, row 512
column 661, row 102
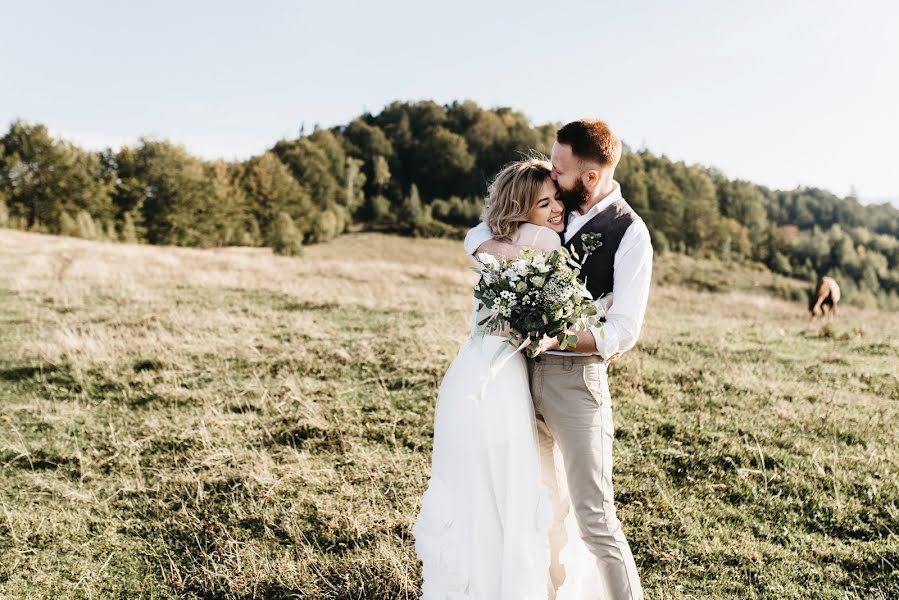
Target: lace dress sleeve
column 543, row 238
column 547, row 239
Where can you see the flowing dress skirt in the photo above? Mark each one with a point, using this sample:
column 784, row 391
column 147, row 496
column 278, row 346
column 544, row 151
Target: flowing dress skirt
column 483, row 530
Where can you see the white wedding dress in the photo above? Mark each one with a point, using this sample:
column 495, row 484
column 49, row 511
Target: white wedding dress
column 487, row 518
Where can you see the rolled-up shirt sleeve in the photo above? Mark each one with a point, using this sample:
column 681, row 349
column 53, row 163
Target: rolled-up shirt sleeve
column 475, row 237
column 630, row 293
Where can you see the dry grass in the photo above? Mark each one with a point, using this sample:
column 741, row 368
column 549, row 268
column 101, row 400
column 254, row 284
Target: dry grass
column 184, row 423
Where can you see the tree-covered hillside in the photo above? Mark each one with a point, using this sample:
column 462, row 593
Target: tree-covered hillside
column 421, row 168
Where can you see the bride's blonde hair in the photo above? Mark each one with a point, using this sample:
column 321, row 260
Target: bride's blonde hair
column 512, row 194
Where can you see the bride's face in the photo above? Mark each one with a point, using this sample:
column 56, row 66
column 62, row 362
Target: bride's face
column 547, row 211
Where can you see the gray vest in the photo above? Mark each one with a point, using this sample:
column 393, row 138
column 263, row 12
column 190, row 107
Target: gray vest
column 599, row 269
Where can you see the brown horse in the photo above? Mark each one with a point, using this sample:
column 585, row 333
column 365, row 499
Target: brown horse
column 826, row 295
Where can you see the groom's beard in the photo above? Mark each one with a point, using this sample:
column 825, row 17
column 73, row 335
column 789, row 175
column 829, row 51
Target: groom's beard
column 573, row 199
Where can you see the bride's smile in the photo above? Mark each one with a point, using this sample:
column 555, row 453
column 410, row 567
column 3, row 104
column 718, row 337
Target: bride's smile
column 547, row 211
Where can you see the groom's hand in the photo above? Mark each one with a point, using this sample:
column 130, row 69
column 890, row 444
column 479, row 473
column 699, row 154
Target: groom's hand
column 548, row 343
column 497, row 248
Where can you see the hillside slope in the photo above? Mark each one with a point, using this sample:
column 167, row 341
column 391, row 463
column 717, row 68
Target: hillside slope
column 189, row 423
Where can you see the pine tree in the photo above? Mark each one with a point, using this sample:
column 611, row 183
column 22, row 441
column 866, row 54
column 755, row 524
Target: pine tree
column 412, row 212
column 67, row 225
column 109, row 231
column 85, row 226
column 129, row 231
column 4, row 212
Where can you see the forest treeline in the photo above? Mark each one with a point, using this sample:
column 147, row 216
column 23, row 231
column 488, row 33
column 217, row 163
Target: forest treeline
column 421, row 168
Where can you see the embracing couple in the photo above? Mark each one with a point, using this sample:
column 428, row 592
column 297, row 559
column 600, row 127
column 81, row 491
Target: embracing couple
column 519, row 505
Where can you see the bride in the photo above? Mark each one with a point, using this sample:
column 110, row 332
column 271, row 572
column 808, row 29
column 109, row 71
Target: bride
column 495, row 520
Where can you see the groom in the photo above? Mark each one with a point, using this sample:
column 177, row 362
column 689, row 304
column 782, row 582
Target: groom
column 570, row 389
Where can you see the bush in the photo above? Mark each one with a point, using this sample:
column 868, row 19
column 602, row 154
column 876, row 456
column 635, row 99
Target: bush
column 129, row 231
column 109, row 231
column 285, row 238
column 67, row 225
column 780, row 264
column 791, row 292
column 436, row 229
column 440, row 210
column 659, row 242
column 85, row 226
column 326, row 226
column 250, row 234
column 381, row 211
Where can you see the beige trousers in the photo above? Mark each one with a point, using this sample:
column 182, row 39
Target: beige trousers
column 574, row 411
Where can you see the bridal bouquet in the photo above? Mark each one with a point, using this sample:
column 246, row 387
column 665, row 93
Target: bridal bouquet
column 535, row 295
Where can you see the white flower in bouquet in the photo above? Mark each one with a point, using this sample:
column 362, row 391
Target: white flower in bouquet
column 539, row 264
column 488, row 260
column 511, row 274
column 535, row 295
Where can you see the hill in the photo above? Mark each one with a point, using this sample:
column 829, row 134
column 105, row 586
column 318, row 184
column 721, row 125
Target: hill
column 422, row 168
column 177, row 422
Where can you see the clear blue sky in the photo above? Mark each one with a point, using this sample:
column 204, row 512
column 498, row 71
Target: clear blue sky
column 782, row 93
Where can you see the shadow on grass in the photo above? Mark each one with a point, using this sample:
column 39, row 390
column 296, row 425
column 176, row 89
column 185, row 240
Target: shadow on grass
column 300, row 434
column 37, row 460
column 17, row 374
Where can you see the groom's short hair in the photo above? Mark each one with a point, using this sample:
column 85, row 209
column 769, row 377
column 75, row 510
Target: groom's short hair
column 591, row 140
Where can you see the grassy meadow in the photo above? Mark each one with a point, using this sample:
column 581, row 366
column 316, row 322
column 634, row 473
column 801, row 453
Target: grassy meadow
column 231, row 424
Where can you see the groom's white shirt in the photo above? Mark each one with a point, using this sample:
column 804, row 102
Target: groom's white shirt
column 626, row 306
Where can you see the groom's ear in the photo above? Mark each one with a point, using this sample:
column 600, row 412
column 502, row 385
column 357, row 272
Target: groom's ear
column 591, row 178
